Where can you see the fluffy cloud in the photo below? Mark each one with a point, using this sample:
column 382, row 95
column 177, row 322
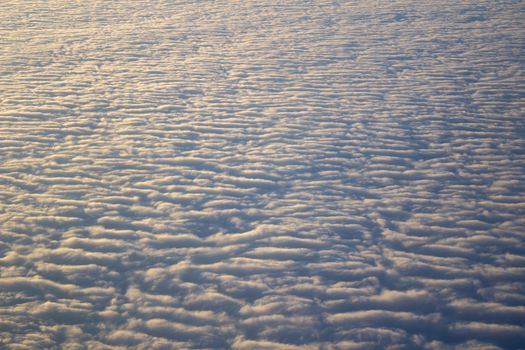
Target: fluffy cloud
column 261, row 175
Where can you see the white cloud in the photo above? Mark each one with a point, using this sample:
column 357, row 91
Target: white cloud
column 308, row 174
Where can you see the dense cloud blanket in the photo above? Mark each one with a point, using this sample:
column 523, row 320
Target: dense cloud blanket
column 262, row 174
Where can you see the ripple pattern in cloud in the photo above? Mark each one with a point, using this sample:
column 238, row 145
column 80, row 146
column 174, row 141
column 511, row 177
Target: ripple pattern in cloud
column 304, row 174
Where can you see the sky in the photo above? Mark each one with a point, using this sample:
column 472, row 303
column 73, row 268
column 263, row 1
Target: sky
column 270, row 174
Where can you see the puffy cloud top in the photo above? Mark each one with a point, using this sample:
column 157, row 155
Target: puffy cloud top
column 305, row 174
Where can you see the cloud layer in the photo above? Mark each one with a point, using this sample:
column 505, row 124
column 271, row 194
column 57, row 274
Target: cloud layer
column 262, row 175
